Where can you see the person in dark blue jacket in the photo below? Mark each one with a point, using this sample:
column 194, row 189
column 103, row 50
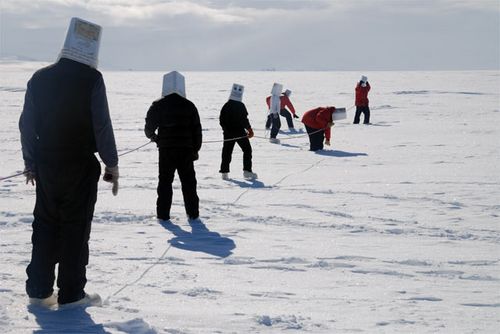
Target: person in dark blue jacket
column 65, row 119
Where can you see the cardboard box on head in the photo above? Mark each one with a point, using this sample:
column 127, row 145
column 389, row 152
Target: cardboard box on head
column 277, row 88
column 237, row 92
column 173, row 83
column 339, row 114
column 275, row 104
column 82, row 42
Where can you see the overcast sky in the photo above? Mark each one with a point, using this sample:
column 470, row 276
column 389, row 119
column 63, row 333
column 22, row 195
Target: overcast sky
column 267, row 34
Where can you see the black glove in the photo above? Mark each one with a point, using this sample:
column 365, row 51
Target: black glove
column 195, row 156
column 111, row 175
column 30, row 176
column 154, row 138
column 295, row 116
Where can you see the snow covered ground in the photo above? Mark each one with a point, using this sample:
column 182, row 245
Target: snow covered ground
column 395, row 228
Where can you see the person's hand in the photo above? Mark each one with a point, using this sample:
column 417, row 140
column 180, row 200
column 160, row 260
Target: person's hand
column 249, row 133
column 327, row 142
column 154, row 138
column 30, row 176
column 330, row 124
column 296, row 116
column 111, row 175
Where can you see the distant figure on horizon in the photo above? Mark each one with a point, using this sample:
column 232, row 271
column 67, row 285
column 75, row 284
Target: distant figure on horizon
column 289, row 113
column 234, row 122
column 318, row 123
column 362, row 89
column 179, row 140
column 65, row 120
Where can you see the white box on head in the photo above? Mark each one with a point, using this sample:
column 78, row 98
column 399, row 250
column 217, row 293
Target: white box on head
column 277, row 88
column 82, row 42
column 237, row 92
column 339, row 113
column 173, row 83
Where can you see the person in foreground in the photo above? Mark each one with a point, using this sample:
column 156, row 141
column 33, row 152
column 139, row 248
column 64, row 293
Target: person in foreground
column 179, row 140
column 318, row 123
column 65, row 120
column 235, row 124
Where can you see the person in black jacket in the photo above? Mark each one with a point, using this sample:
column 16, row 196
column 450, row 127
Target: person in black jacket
column 65, row 119
column 179, row 140
column 234, row 122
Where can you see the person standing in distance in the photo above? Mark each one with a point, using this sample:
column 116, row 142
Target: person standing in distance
column 362, row 103
column 65, row 120
column 179, row 140
column 234, row 122
column 273, row 118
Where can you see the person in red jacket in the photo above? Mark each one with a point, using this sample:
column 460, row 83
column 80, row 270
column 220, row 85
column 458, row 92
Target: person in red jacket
column 287, row 113
column 362, row 89
column 318, row 122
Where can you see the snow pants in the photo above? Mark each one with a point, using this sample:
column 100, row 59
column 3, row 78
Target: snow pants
column 66, row 193
column 316, row 137
column 180, row 160
column 366, row 112
column 288, row 116
column 273, row 121
column 227, row 152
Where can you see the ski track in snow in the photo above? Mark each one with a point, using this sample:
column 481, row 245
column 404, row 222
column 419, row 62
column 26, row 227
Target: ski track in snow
column 393, row 229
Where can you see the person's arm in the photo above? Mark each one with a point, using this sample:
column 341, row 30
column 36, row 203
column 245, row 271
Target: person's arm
column 245, row 123
column 268, row 101
column 197, row 133
column 367, row 87
column 289, row 104
column 152, row 123
column 27, row 130
column 103, row 128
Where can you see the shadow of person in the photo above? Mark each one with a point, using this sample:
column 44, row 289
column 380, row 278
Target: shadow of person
column 340, row 154
column 249, row 184
column 68, row 321
column 200, row 239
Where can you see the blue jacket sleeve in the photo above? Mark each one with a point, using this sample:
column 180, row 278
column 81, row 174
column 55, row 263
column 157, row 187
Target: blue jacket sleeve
column 103, row 129
column 28, row 131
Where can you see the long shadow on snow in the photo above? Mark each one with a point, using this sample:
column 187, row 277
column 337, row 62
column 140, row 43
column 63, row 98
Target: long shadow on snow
column 249, row 184
column 71, row 321
column 200, row 239
column 340, row 154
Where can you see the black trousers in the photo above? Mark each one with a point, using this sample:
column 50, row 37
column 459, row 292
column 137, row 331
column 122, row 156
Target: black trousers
column 66, row 193
column 365, row 111
column 180, row 160
column 273, row 121
column 316, row 138
column 227, row 152
column 285, row 113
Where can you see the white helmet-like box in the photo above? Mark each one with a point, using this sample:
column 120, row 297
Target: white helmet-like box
column 173, row 83
column 82, row 42
column 237, row 92
column 339, row 114
column 277, row 88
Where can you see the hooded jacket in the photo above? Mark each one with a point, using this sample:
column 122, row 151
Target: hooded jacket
column 177, row 121
column 319, row 118
column 362, row 95
column 234, row 119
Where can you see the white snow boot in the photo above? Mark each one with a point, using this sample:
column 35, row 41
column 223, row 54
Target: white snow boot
column 48, row 302
column 249, row 175
column 224, row 176
column 89, row 300
column 274, row 140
